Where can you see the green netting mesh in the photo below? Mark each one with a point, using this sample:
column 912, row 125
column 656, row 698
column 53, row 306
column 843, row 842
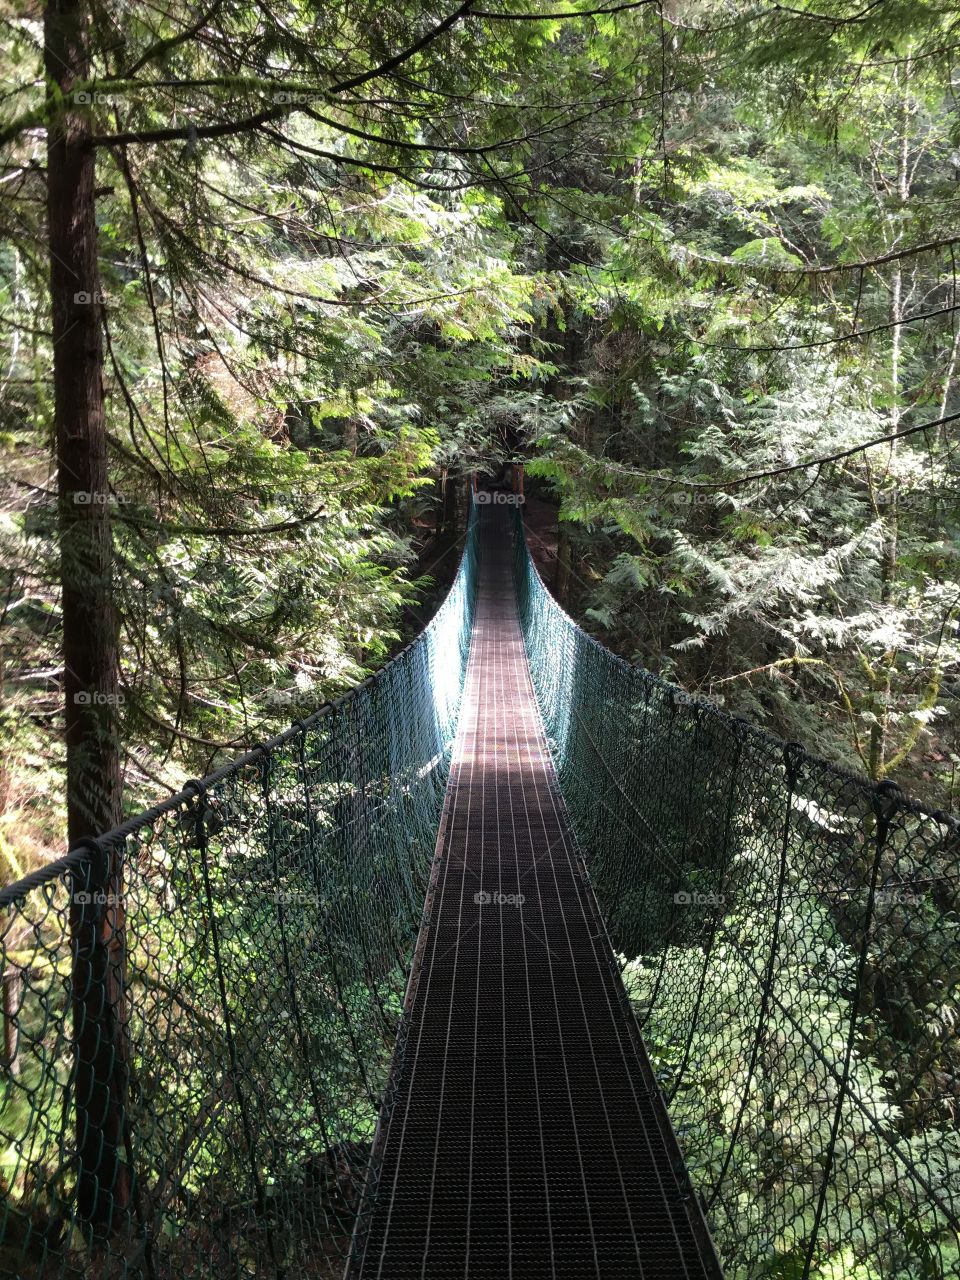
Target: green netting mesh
column 790, row 938
column 199, row 1009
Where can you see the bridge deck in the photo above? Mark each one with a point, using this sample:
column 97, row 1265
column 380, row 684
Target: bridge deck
column 526, row 1137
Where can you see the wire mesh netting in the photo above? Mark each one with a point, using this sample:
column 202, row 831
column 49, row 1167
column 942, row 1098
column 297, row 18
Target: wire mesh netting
column 790, row 939
column 528, row 1138
column 199, row 1009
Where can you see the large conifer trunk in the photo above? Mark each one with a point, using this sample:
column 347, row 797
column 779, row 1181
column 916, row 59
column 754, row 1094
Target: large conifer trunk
column 89, row 626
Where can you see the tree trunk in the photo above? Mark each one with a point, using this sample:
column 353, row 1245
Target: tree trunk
column 89, row 627
column 883, row 685
column 439, row 509
column 350, row 436
column 449, row 522
column 561, row 583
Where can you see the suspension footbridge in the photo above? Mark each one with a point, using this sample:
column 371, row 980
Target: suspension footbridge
column 514, row 961
column 527, row 1136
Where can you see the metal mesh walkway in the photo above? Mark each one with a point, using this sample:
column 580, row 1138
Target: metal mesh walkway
column 524, row 1135
column 200, row 1007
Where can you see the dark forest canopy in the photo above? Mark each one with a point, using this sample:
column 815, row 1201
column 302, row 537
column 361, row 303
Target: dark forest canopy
column 275, row 278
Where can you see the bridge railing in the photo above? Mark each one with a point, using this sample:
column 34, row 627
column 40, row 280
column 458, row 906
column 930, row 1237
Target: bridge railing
column 790, row 940
column 199, row 1008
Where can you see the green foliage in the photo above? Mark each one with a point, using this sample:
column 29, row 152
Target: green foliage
column 614, row 243
column 719, row 344
column 306, row 323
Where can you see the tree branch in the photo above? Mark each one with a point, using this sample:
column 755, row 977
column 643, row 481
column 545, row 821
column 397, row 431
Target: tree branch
column 830, row 342
column 398, row 59
column 825, row 17
column 193, row 132
column 822, row 461
column 158, row 49
column 557, row 17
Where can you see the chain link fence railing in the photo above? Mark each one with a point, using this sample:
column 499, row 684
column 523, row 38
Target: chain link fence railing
column 790, row 939
column 200, row 1008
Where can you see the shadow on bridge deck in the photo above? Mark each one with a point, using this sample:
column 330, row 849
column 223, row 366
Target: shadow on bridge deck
column 524, row 1135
